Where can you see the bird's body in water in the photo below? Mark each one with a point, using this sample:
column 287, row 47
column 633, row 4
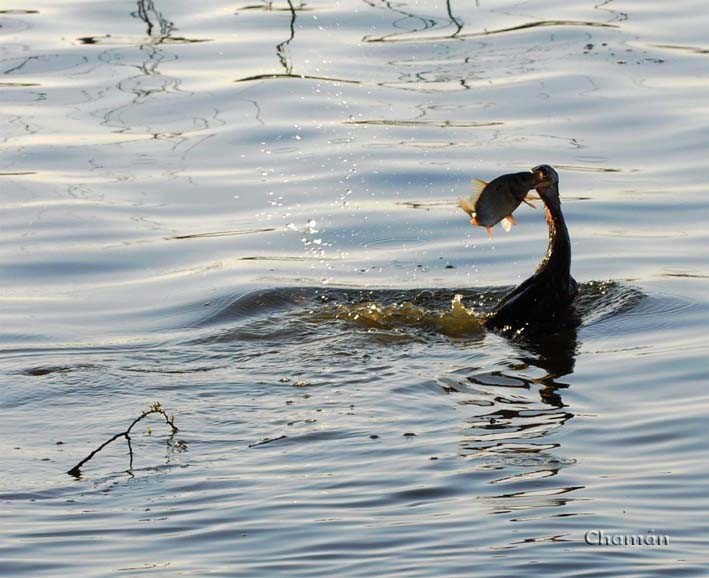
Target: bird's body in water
column 539, row 307
column 543, row 302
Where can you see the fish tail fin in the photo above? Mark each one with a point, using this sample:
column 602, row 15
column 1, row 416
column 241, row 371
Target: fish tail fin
column 467, row 206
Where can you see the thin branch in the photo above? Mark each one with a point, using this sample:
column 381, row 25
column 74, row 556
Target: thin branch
column 154, row 408
column 267, row 441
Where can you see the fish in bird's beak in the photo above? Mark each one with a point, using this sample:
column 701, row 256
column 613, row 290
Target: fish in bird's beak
column 495, row 201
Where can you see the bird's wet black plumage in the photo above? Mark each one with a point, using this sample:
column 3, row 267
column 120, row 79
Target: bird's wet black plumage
column 543, row 302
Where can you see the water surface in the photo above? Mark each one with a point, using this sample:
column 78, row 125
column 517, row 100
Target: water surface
column 246, row 211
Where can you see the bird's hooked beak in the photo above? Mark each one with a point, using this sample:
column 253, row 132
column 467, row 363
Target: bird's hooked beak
column 542, row 179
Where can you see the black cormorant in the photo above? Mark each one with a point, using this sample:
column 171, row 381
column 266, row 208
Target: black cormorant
column 543, row 302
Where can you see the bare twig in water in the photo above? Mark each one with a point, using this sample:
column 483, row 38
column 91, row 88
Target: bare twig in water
column 154, row 408
column 267, row 441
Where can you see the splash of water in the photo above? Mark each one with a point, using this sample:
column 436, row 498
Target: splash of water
column 458, row 321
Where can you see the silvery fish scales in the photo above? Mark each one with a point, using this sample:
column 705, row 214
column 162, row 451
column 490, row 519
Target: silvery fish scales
column 495, row 201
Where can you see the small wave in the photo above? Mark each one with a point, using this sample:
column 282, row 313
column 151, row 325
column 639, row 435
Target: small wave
column 456, row 313
column 411, row 37
column 599, row 300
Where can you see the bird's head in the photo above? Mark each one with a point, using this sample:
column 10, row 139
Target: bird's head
column 547, row 181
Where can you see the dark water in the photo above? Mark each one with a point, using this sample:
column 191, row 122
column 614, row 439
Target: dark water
column 246, row 211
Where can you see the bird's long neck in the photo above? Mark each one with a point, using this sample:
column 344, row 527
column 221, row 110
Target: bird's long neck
column 558, row 257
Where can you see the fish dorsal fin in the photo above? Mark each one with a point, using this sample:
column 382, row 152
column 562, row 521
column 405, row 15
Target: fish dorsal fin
column 507, row 223
column 478, row 187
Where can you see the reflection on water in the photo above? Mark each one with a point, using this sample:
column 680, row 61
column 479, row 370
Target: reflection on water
column 516, row 413
column 458, row 35
column 281, row 49
column 160, row 30
column 150, row 83
column 284, row 59
column 148, row 14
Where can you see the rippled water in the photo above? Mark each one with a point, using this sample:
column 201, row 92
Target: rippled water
column 246, row 211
